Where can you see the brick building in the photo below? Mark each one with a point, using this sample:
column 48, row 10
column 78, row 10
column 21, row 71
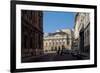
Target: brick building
column 31, row 33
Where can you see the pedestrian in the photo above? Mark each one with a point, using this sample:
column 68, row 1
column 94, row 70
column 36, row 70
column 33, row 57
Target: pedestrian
column 58, row 51
column 61, row 52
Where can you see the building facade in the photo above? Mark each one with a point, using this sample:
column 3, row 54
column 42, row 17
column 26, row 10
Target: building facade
column 31, row 33
column 61, row 39
column 82, row 32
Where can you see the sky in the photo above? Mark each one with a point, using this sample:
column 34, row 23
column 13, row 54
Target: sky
column 53, row 21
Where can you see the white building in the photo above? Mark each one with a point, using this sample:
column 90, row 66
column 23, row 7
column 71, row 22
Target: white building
column 61, row 39
column 82, row 32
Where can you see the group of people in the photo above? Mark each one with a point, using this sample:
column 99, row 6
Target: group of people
column 60, row 51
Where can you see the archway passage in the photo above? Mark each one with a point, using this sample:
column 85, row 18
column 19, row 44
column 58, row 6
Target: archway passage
column 81, row 41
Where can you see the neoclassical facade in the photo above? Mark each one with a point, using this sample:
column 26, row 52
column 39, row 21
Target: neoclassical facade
column 31, row 33
column 82, row 32
column 61, row 39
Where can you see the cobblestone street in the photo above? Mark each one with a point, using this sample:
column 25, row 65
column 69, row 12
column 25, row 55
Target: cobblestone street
column 53, row 57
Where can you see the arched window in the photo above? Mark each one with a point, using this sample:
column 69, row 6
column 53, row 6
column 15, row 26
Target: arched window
column 55, row 48
column 56, row 43
column 46, row 43
column 49, row 43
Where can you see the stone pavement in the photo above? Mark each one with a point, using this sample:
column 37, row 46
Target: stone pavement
column 52, row 57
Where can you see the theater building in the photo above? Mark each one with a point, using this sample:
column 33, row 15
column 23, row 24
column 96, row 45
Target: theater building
column 61, row 39
column 31, row 33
